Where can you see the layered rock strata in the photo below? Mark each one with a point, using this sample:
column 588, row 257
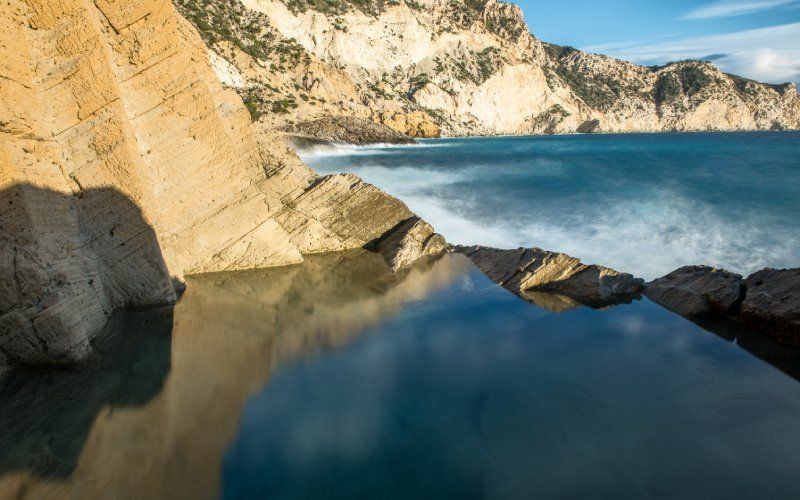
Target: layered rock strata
column 768, row 300
column 526, row 271
column 698, row 291
column 125, row 165
column 408, row 242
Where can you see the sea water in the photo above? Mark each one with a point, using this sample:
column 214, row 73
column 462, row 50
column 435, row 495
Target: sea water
column 640, row 203
column 337, row 378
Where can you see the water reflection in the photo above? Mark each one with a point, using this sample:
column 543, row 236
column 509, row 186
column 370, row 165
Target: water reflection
column 152, row 415
column 337, row 378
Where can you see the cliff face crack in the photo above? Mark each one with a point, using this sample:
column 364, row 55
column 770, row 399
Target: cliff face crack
column 86, row 117
column 12, row 80
column 164, row 101
column 151, row 66
column 118, row 29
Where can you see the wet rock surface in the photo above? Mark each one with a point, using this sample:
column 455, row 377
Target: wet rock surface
column 767, row 301
column 772, row 303
column 527, row 270
column 698, row 291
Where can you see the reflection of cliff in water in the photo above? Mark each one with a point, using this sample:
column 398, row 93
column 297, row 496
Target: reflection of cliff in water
column 154, row 422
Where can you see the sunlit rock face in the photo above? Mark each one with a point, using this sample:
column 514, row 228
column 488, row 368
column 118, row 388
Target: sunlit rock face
column 125, row 164
column 457, row 68
column 164, row 395
column 554, row 281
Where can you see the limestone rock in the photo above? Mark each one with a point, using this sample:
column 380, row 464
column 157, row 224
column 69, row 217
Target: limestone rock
column 348, row 129
column 533, row 269
column 125, row 165
column 417, row 124
column 463, row 69
column 772, row 304
column 698, row 291
column 408, row 242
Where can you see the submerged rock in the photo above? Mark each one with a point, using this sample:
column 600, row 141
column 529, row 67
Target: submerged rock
column 347, row 129
column 408, row 242
column 698, row 291
column 772, row 304
column 526, row 270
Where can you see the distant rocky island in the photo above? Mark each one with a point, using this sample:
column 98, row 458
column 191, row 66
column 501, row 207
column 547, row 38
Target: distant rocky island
column 141, row 144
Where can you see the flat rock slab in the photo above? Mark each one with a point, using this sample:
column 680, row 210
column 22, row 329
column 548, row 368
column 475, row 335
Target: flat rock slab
column 527, row 270
column 772, row 304
column 698, row 291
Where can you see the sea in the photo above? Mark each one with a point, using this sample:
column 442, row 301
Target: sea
column 639, row 203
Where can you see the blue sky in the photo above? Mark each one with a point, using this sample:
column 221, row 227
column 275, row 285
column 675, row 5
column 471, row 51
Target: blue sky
column 757, row 39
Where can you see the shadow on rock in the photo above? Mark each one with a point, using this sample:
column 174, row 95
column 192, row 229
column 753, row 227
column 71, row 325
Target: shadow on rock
column 66, row 263
column 46, row 414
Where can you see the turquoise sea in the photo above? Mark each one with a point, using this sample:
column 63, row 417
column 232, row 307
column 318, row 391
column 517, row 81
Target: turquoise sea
column 640, row 203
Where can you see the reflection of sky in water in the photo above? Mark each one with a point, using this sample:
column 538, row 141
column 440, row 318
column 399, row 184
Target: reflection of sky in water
column 337, row 378
column 476, row 393
column 645, row 204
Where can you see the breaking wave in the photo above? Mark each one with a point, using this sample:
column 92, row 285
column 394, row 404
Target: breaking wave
column 647, row 230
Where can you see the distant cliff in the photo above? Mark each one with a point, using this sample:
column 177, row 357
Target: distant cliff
column 470, row 67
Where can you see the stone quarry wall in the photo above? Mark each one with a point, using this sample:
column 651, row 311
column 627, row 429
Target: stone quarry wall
column 125, row 165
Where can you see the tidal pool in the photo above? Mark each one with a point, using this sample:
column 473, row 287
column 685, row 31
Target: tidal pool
column 338, row 379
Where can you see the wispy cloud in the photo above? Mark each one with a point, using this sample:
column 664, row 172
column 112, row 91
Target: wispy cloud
column 728, row 8
column 769, row 54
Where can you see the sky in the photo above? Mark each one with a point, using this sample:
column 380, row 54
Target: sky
column 758, row 39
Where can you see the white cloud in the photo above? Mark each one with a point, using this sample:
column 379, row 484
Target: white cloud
column 766, row 54
column 728, row 8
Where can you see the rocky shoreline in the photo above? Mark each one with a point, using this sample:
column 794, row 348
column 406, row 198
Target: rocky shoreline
column 767, row 300
column 342, row 129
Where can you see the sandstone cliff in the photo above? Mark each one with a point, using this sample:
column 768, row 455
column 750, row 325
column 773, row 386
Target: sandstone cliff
column 427, row 67
column 125, row 165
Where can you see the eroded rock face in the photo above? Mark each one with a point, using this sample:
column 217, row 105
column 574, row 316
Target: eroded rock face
column 125, row 165
column 463, row 69
column 698, row 291
column 408, row 242
column 347, row 129
column 772, row 304
column 536, row 270
column 588, row 127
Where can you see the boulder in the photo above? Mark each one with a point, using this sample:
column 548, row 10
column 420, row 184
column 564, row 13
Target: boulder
column 698, row 291
column 588, row 127
column 772, row 304
column 532, row 269
column 408, row 242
